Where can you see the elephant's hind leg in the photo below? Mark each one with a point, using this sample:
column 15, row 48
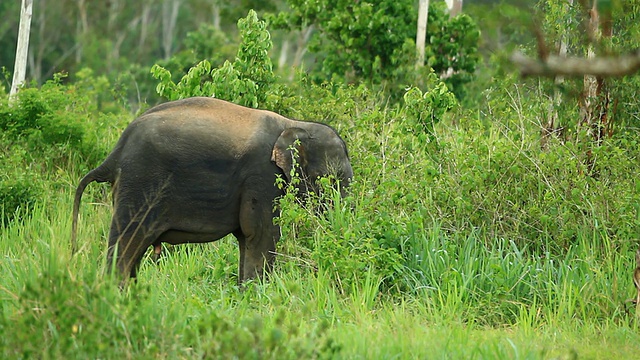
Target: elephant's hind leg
column 127, row 245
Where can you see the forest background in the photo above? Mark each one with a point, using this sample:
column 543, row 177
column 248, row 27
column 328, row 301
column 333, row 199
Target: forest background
column 491, row 216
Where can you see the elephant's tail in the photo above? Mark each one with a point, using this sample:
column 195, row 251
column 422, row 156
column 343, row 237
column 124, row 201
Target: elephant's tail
column 99, row 174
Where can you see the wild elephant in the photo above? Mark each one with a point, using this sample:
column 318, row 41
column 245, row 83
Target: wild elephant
column 197, row 169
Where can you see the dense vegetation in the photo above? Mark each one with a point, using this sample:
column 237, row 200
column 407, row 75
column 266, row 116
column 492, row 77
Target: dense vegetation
column 468, row 232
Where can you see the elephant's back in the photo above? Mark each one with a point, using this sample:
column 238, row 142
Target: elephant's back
column 202, row 130
column 223, row 115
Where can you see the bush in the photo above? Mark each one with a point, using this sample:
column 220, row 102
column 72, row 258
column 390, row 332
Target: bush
column 42, row 117
column 246, row 81
column 55, row 122
column 46, row 131
column 16, row 198
column 495, row 176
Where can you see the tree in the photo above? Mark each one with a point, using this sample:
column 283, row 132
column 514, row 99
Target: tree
column 22, row 47
column 170, row 9
column 246, row 81
column 454, row 7
column 596, row 19
column 353, row 38
column 373, row 41
column 423, row 14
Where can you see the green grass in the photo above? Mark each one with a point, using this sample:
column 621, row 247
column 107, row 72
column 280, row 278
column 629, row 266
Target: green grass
column 470, row 300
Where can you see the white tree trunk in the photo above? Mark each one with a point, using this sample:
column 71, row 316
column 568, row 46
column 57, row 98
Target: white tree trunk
column 20, row 68
column 454, row 7
column 301, row 46
column 301, row 49
column 216, row 16
column 284, row 51
column 145, row 21
column 82, row 29
column 170, row 10
column 423, row 15
column 590, row 82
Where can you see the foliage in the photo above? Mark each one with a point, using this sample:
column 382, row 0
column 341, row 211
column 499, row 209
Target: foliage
column 564, row 23
column 452, row 49
column 42, row 117
column 17, row 196
column 334, row 241
column 251, row 338
column 356, row 45
column 206, row 42
column 429, row 108
column 47, row 130
column 492, row 297
column 245, row 81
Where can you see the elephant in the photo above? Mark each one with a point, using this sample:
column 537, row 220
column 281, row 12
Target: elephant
column 197, row 169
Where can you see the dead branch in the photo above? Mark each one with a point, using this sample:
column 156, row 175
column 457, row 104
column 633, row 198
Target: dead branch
column 572, row 66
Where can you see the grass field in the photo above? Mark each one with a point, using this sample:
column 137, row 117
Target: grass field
column 475, row 301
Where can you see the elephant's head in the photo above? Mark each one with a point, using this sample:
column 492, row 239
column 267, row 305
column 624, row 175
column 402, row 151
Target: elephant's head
column 320, row 152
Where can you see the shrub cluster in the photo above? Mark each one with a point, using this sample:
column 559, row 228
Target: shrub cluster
column 45, row 130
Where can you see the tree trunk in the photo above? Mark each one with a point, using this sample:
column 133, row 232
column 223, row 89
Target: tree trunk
column 216, row 15
column 423, row 15
column 594, row 105
column 116, row 29
column 284, row 50
column 455, row 7
column 170, row 10
column 145, row 20
column 20, row 68
column 553, row 126
column 301, row 48
column 82, row 29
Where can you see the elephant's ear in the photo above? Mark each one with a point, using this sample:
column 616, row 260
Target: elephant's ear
column 286, row 147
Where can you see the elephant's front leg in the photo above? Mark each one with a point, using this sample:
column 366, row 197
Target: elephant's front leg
column 257, row 238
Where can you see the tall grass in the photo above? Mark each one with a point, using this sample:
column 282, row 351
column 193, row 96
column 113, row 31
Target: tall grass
column 470, row 299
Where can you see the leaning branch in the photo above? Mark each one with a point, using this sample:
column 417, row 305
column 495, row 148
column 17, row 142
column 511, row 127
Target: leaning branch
column 553, row 65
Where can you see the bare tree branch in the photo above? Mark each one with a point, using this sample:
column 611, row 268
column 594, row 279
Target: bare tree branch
column 572, row 66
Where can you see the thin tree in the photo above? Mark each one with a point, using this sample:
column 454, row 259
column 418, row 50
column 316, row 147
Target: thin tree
column 454, row 7
column 552, row 126
column 423, row 15
column 20, row 68
column 594, row 105
column 170, row 9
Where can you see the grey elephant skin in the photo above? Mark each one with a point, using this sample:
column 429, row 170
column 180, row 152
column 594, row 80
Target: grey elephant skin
column 197, row 169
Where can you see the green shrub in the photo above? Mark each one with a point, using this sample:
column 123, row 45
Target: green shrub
column 47, row 131
column 246, row 81
column 16, row 198
column 53, row 122
column 496, row 177
column 429, row 108
column 42, row 117
column 337, row 237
